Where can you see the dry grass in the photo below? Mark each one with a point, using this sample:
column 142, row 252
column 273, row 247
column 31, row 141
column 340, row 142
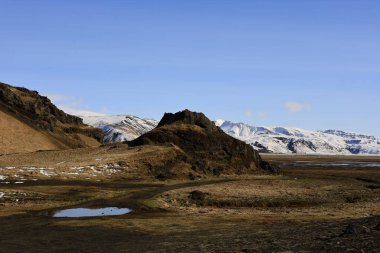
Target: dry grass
column 28, row 139
column 288, row 197
column 303, row 210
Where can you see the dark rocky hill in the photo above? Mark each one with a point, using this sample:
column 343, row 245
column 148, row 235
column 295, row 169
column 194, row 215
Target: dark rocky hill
column 29, row 119
column 203, row 145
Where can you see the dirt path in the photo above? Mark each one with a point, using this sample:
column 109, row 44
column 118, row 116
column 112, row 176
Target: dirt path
column 141, row 193
column 137, row 199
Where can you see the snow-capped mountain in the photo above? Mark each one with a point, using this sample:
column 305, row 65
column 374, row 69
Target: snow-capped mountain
column 120, row 128
column 295, row 140
column 283, row 140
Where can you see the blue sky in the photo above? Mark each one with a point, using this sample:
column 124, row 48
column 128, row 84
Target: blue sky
column 308, row 64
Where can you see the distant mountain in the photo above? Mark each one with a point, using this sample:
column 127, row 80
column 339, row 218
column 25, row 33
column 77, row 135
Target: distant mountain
column 120, row 128
column 283, row 140
column 286, row 140
column 30, row 122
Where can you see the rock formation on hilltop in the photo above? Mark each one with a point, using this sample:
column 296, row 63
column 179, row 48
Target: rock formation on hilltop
column 203, row 145
column 30, row 122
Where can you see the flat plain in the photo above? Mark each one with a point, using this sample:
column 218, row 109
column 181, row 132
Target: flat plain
column 316, row 204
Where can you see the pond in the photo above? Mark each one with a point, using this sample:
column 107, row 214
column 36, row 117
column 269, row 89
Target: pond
column 89, row 212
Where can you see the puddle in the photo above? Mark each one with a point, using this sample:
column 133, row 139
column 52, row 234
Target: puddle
column 88, row 212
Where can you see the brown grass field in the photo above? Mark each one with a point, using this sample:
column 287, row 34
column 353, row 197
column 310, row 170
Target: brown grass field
column 303, row 209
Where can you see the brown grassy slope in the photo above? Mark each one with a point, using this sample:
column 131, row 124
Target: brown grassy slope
column 146, row 162
column 30, row 122
column 16, row 136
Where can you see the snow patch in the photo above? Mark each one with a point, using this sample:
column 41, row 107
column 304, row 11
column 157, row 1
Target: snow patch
column 120, row 128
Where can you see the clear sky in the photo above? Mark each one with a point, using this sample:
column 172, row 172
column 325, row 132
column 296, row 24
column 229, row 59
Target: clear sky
column 309, row 64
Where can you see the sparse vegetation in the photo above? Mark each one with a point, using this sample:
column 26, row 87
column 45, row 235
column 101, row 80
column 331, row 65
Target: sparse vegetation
column 330, row 209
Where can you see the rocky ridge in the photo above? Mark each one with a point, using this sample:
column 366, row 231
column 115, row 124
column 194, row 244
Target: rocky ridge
column 31, row 110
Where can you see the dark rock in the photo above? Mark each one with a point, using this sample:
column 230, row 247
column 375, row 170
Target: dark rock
column 122, row 163
column 206, row 147
column 266, row 166
column 355, row 229
column 198, row 196
column 217, row 171
column 292, row 143
column 164, row 174
column 188, row 117
column 192, row 176
column 377, row 226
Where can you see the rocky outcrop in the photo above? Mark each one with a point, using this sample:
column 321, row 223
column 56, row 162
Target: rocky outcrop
column 34, row 109
column 39, row 113
column 190, row 118
column 204, row 145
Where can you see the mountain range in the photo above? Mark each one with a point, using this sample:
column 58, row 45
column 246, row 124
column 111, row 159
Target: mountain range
column 286, row 140
column 30, row 122
column 282, row 140
column 120, row 128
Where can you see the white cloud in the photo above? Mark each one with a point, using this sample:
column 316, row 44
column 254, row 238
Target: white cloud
column 250, row 114
column 79, row 112
column 262, row 115
column 297, row 107
column 71, row 105
column 58, row 97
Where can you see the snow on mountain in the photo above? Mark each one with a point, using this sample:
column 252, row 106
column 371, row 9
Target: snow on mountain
column 295, row 140
column 283, row 140
column 358, row 143
column 120, row 128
